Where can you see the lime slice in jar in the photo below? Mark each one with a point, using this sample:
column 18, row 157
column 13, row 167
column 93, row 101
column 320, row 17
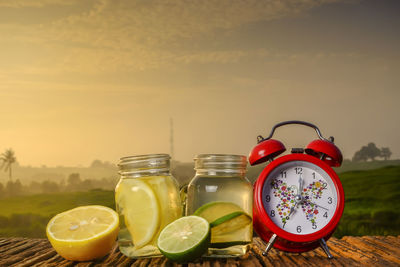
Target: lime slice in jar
column 228, row 244
column 230, row 230
column 230, row 225
column 141, row 210
column 215, row 210
column 185, row 239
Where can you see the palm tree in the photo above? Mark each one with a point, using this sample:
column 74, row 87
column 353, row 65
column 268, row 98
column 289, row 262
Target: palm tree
column 8, row 158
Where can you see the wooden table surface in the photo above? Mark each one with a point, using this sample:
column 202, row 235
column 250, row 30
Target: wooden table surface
column 348, row 251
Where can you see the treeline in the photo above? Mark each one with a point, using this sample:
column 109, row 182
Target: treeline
column 183, row 172
column 371, row 151
column 74, row 183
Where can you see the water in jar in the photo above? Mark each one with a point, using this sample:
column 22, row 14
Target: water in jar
column 145, row 205
column 208, row 189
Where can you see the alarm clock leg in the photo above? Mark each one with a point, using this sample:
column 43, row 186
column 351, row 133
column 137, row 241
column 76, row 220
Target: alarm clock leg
column 270, row 244
column 324, row 246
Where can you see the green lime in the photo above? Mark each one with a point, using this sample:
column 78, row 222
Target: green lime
column 185, row 239
column 215, row 210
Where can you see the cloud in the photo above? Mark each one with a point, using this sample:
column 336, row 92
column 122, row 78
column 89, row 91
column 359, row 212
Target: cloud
column 160, row 22
column 223, row 57
column 33, row 3
column 121, row 35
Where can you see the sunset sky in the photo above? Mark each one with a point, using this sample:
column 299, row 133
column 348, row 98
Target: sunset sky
column 84, row 80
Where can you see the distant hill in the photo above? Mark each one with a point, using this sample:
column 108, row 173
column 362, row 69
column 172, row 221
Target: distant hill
column 366, row 165
column 27, row 174
column 254, row 171
column 372, row 205
column 182, row 171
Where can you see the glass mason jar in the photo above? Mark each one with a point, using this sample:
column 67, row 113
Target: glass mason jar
column 147, row 199
column 221, row 193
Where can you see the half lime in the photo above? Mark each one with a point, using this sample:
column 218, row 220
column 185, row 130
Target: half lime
column 185, row 239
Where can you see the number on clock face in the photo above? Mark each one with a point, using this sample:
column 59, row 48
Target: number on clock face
column 299, row 197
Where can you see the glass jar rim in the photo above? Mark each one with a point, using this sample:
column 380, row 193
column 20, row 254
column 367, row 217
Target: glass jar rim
column 222, row 157
column 144, row 157
column 142, row 165
column 220, row 161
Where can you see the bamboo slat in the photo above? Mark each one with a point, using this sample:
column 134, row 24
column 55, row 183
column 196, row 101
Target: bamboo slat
column 348, row 251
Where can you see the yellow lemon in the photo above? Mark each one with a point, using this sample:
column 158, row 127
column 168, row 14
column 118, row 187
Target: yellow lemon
column 138, row 203
column 84, row 233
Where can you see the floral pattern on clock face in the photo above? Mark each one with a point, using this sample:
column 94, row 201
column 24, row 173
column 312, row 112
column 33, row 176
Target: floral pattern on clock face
column 299, row 197
column 312, row 191
column 287, row 196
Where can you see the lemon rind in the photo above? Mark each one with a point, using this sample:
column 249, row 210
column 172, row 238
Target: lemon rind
column 102, row 233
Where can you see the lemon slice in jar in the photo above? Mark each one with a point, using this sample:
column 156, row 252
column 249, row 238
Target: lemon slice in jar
column 139, row 205
column 166, row 191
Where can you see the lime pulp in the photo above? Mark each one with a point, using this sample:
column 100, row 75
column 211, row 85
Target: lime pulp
column 185, row 239
column 230, row 225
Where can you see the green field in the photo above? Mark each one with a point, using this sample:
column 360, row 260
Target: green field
column 372, row 202
column 28, row 216
column 372, row 206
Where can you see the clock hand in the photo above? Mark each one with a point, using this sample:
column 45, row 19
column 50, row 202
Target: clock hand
column 293, row 187
column 317, row 205
column 300, row 185
column 290, row 213
column 292, row 209
column 298, row 196
column 288, row 217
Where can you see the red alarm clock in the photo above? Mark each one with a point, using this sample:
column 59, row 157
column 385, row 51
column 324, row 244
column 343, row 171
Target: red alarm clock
column 298, row 197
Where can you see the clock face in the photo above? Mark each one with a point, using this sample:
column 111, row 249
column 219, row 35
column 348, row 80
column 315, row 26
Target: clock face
column 299, row 197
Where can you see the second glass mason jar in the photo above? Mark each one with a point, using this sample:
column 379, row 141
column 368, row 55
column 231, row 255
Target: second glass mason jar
column 221, row 193
column 147, row 199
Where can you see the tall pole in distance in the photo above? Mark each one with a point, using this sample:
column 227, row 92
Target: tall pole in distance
column 171, row 139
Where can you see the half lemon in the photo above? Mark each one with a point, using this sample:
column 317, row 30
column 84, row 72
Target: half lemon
column 84, row 233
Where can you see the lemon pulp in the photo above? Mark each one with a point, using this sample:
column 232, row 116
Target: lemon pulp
column 145, row 205
column 83, row 233
column 142, row 219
